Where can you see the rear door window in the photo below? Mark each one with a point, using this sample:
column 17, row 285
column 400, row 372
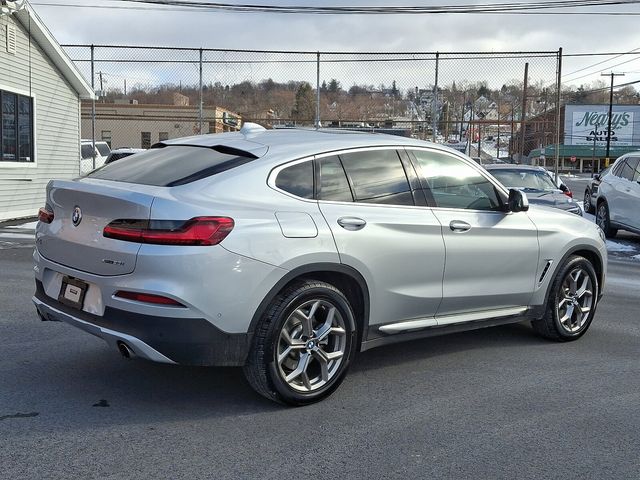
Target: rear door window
column 377, row 176
column 171, row 166
column 333, row 184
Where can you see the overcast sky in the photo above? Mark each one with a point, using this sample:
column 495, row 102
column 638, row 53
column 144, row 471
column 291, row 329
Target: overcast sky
column 450, row 32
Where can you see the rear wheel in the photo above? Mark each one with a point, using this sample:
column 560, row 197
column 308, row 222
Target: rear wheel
column 303, row 344
column 603, row 220
column 586, row 204
column 572, row 301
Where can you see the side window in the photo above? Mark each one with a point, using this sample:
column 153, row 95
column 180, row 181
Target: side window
column 377, row 176
column 333, row 184
column 636, row 174
column 454, row 184
column 297, row 179
column 629, row 168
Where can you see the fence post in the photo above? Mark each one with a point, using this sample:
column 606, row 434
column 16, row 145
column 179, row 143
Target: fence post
column 524, row 111
column 434, row 103
column 93, row 111
column 201, row 99
column 317, row 90
column 558, row 117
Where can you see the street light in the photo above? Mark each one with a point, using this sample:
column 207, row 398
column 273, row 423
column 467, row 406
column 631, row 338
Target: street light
column 606, row 159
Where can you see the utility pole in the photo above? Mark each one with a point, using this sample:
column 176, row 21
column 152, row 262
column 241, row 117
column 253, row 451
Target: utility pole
column 606, row 156
column 593, row 153
column 434, row 104
column 469, row 130
column 524, row 110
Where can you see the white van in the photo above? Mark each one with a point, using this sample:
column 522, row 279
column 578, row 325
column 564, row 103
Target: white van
column 102, row 151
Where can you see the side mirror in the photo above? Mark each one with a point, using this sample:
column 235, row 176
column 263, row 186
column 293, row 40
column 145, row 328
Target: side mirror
column 518, row 201
column 596, row 176
column 564, row 188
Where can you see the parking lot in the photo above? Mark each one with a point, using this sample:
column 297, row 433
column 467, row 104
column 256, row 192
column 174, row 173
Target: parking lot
column 494, row 403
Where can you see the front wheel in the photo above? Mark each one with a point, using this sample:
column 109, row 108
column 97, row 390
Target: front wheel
column 571, row 303
column 303, row 344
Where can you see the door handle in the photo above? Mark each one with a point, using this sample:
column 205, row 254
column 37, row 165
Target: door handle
column 351, row 223
column 459, row 226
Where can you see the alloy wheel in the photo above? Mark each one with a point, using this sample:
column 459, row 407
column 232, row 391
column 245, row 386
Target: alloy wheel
column 311, row 345
column 575, row 300
column 602, row 217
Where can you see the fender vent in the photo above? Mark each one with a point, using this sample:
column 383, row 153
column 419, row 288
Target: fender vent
column 545, row 270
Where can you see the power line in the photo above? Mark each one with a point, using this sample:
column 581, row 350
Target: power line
column 512, row 8
column 599, row 63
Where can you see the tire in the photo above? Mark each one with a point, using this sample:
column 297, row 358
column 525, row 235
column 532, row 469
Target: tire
column 303, row 344
column 571, row 302
column 603, row 220
column 586, row 204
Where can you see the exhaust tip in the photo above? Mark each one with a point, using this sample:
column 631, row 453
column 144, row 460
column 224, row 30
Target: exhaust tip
column 125, row 350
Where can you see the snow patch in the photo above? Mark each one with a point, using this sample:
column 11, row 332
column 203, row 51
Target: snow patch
column 619, row 247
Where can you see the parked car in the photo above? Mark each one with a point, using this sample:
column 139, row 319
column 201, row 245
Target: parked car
column 87, row 152
column 591, row 191
column 287, row 251
column 536, row 183
column 120, row 153
column 619, row 196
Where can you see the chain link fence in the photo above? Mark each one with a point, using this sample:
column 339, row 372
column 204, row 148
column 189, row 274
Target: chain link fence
column 475, row 102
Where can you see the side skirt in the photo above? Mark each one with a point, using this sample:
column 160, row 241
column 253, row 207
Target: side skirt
column 376, row 340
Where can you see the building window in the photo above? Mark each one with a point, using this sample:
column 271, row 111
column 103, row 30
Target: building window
column 16, row 128
column 145, row 139
column 162, row 136
column 106, row 136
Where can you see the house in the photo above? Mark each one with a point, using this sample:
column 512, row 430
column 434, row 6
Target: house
column 40, row 93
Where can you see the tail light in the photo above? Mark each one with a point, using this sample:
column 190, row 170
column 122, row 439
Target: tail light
column 45, row 215
column 148, row 298
column 197, row 231
column 568, row 193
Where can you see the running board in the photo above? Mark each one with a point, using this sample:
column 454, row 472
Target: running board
column 451, row 319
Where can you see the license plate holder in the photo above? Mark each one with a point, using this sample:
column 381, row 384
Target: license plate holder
column 72, row 292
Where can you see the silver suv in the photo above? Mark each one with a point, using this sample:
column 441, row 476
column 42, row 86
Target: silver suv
column 619, row 196
column 287, row 251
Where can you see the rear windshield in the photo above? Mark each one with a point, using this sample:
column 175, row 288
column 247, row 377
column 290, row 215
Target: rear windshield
column 171, row 166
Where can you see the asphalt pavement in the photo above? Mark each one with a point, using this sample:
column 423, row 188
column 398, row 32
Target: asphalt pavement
column 498, row 403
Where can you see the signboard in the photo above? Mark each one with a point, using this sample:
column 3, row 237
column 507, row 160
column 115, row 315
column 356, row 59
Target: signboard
column 585, row 124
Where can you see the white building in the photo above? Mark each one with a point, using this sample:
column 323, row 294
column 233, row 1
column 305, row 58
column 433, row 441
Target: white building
column 40, row 93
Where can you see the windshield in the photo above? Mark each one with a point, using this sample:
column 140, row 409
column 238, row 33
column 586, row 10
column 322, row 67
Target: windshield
column 524, row 179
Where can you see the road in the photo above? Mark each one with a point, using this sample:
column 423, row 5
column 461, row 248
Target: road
column 498, row 403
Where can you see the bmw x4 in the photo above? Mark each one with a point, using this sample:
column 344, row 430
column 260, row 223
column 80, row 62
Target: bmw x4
column 288, row 251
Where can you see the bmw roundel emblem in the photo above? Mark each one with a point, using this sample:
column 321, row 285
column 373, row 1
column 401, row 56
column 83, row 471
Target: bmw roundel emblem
column 76, row 218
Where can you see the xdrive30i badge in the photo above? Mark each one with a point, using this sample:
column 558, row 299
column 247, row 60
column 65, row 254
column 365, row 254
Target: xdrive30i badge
column 76, row 217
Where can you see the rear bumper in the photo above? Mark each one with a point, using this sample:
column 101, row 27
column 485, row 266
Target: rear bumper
column 185, row 341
